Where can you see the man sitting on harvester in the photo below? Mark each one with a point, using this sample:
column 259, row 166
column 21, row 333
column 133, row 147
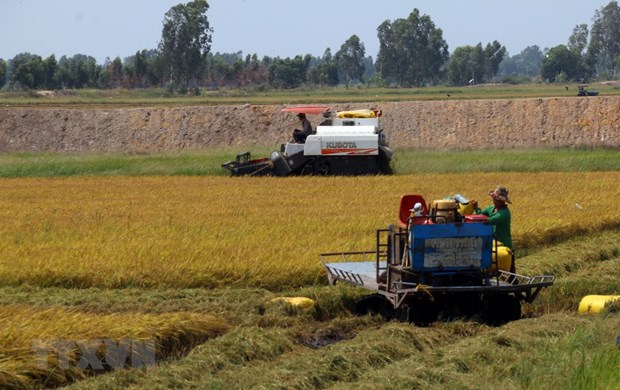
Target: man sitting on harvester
column 299, row 136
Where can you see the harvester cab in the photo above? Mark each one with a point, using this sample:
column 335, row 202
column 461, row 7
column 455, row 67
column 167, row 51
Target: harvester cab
column 437, row 261
column 349, row 143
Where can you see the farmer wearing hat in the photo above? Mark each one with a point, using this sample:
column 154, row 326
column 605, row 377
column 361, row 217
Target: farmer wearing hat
column 299, row 136
column 499, row 215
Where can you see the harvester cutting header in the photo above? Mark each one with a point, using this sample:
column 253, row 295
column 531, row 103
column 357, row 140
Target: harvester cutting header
column 344, row 143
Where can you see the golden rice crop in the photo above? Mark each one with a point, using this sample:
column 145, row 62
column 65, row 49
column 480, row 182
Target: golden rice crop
column 30, row 334
column 221, row 231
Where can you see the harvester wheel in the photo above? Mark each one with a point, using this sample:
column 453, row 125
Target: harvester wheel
column 502, row 308
column 422, row 311
column 323, row 168
column 375, row 304
column 308, row 169
column 384, row 165
column 513, row 309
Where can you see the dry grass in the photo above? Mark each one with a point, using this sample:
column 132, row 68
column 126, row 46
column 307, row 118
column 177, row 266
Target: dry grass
column 263, row 232
column 28, row 332
column 555, row 351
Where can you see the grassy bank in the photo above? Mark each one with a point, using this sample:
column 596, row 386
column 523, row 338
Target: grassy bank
column 306, row 95
column 208, row 162
column 14, row 165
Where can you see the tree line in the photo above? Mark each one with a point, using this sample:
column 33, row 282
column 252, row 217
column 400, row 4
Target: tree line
column 412, row 52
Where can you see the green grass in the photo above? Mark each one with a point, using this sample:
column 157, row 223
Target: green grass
column 514, row 160
column 14, row 165
column 208, row 162
column 305, row 95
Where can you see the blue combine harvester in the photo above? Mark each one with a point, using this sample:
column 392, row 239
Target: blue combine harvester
column 436, row 263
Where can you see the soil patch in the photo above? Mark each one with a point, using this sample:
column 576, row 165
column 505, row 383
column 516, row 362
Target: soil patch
column 444, row 125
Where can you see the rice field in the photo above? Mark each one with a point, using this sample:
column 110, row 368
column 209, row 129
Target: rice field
column 39, row 341
column 215, row 232
column 194, row 262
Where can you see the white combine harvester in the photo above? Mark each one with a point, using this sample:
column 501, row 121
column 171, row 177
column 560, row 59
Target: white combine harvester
column 350, row 143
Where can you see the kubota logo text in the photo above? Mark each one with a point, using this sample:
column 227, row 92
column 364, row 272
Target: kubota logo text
column 341, row 145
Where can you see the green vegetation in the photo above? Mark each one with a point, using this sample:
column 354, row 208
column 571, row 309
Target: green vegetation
column 208, row 162
column 52, row 164
column 514, row 160
column 324, row 95
column 183, row 61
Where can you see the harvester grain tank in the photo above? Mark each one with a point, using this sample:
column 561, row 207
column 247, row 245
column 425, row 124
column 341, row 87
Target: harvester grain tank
column 436, row 263
column 349, row 143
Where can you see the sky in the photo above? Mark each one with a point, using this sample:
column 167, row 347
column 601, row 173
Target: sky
column 280, row 28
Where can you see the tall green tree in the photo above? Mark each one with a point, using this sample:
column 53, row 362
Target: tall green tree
column 369, row 68
column 253, row 73
column 289, row 73
column 466, row 65
column 350, row 59
column 26, row 71
column 560, row 60
column 578, row 41
column 115, row 73
column 219, row 70
column 185, row 41
column 527, row 63
column 79, row 71
column 493, row 55
column 604, row 45
column 50, row 66
column 227, row 69
column 135, row 69
column 412, row 51
column 473, row 64
column 153, row 68
column 138, row 70
column 3, row 69
column 325, row 72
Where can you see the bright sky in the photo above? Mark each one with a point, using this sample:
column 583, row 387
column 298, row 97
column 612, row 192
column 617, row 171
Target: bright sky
column 284, row 28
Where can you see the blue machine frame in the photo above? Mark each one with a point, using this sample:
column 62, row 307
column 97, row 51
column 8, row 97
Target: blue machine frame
column 450, row 248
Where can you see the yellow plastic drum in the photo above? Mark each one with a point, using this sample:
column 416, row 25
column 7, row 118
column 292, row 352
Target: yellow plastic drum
column 594, row 304
column 357, row 114
column 502, row 257
column 302, row 303
column 466, row 209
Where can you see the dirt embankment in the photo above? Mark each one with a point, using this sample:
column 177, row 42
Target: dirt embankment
column 449, row 124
